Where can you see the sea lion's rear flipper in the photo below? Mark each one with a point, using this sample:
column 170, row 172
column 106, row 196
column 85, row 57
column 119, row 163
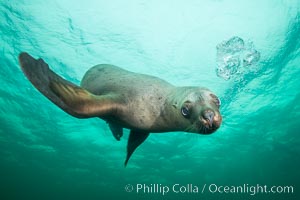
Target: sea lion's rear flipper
column 66, row 95
column 116, row 130
column 136, row 138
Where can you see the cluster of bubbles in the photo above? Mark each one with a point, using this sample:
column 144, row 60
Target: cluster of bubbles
column 235, row 58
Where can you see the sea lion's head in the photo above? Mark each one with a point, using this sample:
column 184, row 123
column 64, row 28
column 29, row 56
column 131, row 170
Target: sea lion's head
column 201, row 107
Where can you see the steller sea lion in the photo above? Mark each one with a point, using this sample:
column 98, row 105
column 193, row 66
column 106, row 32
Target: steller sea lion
column 142, row 103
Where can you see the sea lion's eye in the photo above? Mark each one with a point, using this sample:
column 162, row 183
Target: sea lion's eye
column 185, row 111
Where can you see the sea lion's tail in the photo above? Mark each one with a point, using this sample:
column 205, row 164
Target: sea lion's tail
column 69, row 97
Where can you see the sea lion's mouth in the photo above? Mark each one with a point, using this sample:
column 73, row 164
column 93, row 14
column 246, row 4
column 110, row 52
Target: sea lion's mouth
column 208, row 125
column 207, row 130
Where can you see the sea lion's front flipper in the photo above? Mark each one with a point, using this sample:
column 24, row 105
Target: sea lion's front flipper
column 116, row 130
column 66, row 95
column 136, row 138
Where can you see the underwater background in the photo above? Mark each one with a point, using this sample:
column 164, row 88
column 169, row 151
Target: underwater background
column 247, row 52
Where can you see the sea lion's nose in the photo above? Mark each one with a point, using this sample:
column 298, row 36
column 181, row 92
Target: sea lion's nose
column 208, row 115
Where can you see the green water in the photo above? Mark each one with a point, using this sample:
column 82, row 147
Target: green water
column 47, row 154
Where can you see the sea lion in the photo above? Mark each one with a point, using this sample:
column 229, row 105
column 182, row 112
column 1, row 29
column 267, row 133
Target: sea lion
column 142, row 103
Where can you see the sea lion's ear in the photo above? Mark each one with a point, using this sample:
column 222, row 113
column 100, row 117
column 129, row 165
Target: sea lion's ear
column 136, row 138
column 175, row 104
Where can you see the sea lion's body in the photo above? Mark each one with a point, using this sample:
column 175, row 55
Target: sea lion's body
column 142, row 103
column 144, row 96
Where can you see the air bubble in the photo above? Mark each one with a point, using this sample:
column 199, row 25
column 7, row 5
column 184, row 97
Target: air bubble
column 235, row 57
